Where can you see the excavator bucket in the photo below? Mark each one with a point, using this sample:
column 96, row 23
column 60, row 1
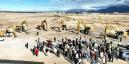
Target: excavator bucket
column 38, row 27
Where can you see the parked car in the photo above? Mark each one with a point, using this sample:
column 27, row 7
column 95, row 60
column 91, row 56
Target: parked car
column 125, row 55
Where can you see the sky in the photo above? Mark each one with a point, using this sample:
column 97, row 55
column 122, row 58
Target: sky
column 48, row 5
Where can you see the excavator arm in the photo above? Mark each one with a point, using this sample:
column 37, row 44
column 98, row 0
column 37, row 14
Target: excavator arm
column 61, row 23
column 24, row 26
column 78, row 27
column 44, row 25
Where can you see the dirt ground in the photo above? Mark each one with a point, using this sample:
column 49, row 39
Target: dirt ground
column 14, row 48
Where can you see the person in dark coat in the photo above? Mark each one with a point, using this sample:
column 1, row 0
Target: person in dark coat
column 54, row 39
column 109, row 56
column 33, row 50
column 26, row 45
column 58, row 53
column 37, row 33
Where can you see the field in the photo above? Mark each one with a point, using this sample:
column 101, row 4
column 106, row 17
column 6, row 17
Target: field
column 14, row 48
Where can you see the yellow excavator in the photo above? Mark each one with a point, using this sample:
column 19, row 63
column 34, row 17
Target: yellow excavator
column 10, row 31
column 62, row 25
column 23, row 27
column 43, row 26
column 83, row 28
column 112, row 31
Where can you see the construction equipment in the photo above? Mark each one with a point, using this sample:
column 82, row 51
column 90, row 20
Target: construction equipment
column 112, row 31
column 83, row 28
column 62, row 25
column 2, row 33
column 43, row 26
column 23, row 27
column 10, row 31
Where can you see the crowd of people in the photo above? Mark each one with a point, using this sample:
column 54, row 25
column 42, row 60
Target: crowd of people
column 77, row 49
column 44, row 47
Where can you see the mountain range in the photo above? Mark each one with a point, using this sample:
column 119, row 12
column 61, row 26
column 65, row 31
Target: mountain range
column 109, row 9
column 101, row 9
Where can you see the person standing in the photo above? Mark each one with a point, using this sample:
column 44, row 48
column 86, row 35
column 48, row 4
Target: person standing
column 109, row 56
column 54, row 39
column 120, row 38
column 105, row 58
column 76, row 58
column 26, row 45
column 37, row 33
column 36, row 51
column 102, row 56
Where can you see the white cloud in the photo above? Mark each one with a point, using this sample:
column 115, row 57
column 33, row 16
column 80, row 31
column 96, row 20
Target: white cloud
column 89, row 4
column 65, row 4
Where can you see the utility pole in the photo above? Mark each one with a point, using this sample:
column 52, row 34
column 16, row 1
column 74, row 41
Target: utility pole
column 105, row 42
column 105, row 30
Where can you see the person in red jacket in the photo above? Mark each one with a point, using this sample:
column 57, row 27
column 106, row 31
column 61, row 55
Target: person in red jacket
column 36, row 51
